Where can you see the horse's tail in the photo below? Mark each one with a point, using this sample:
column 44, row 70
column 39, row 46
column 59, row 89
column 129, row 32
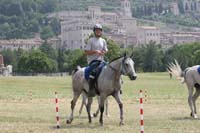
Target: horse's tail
column 75, row 70
column 175, row 69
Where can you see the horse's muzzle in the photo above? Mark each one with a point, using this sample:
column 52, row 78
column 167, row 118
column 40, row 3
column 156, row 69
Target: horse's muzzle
column 133, row 77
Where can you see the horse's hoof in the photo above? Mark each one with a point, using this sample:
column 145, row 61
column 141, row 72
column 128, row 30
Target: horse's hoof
column 101, row 124
column 195, row 116
column 68, row 121
column 121, row 123
column 94, row 115
column 191, row 114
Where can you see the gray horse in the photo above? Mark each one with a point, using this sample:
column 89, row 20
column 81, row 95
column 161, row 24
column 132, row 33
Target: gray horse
column 84, row 102
column 108, row 84
column 191, row 77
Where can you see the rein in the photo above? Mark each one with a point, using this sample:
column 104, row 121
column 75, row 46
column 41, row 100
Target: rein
column 114, row 69
column 117, row 77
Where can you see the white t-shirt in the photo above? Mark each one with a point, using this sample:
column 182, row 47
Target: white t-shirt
column 95, row 43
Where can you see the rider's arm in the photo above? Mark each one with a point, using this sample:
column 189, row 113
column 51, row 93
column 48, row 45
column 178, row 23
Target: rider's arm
column 91, row 52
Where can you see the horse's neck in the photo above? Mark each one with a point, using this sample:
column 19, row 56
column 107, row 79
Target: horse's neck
column 114, row 68
column 117, row 64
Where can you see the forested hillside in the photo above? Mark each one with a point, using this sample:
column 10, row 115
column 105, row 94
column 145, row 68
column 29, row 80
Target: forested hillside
column 24, row 18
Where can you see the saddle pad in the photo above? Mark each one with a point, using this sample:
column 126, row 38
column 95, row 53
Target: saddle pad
column 87, row 72
column 198, row 69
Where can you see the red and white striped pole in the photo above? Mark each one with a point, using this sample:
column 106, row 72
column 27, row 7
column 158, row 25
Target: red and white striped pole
column 57, row 116
column 145, row 95
column 31, row 95
column 141, row 113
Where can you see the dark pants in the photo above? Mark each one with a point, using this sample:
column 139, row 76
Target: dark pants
column 93, row 76
column 94, row 68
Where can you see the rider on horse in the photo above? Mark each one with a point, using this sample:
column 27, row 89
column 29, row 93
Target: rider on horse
column 95, row 51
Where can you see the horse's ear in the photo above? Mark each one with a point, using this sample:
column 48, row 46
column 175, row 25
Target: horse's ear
column 125, row 54
column 131, row 56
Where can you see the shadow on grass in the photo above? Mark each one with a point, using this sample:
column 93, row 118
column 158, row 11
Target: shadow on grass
column 81, row 125
column 78, row 126
column 183, row 118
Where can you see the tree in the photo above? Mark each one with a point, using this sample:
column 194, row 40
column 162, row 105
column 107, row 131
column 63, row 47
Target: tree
column 36, row 62
column 49, row 51
column 152, row 60
column 46, row 32
column 60, row 59
column 113, row 49
column 74, row 58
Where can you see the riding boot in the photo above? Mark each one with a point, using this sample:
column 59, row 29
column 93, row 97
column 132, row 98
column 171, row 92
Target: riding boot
column 91, row 83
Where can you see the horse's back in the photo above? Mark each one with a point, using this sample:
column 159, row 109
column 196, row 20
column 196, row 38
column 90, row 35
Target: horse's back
column 193, row 75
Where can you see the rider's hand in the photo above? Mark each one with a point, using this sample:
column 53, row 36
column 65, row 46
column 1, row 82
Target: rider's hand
column 99, row 52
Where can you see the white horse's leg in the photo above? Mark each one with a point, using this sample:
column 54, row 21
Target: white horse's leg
column 106, row 106
column 84, row 101
column 190, row 101
column 101, row 107
column 73, row 103
column 97, row 111
column 194, row 98
column 116, row 95
column 90, row 99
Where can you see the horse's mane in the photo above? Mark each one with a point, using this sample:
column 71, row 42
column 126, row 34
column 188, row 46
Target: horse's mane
column 115, row 59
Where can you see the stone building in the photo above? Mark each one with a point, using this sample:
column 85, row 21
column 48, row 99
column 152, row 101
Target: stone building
column 26, row 44
column 191, row 5
column 174, row 8
column 145, row 34
column 170, row 39
column 76, row 26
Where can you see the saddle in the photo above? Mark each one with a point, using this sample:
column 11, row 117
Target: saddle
column 94, row 70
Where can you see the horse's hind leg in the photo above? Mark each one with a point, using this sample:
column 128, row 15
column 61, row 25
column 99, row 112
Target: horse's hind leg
column 84, row 99
column 106, row 107
column 190, row 101
column 73, row 103
column 89, row 108
column 96, row 113
column 195, row 96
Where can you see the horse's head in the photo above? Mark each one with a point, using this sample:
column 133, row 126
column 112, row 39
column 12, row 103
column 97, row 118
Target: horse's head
column 128, row 68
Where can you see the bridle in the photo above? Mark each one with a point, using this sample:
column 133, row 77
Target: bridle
column 123, row 69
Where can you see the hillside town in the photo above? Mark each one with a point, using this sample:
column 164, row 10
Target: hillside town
column 76, row 27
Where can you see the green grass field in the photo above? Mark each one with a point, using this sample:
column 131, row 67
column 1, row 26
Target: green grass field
column 166, row 109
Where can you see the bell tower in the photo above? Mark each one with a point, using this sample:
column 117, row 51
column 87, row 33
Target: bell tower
column 126, row 8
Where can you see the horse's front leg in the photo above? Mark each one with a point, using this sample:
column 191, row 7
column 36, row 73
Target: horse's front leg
column 101, row 107
column 84, row 99
column 90, row 99
column 116, row 95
